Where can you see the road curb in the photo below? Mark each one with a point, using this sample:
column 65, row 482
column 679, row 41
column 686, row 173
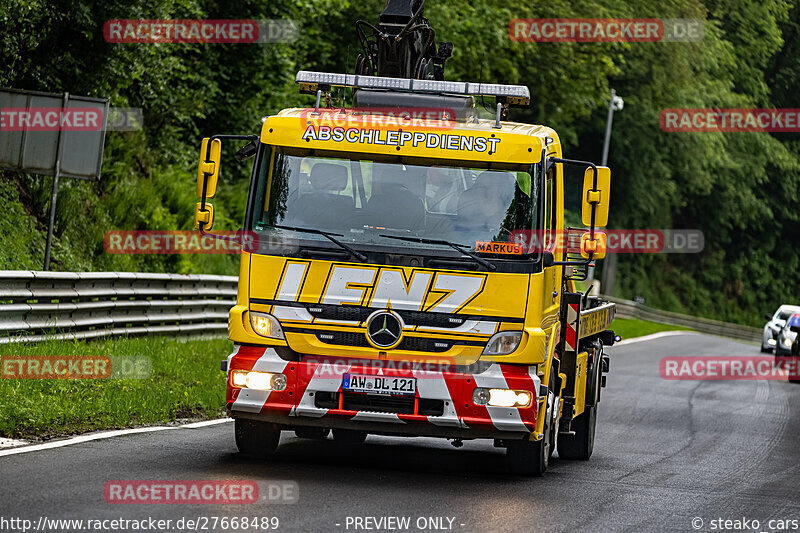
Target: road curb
column 106, row 435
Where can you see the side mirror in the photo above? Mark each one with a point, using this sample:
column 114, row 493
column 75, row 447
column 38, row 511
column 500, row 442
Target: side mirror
column 595, row 247
column 208, row 169
column 768, row 316
column 207, row 176
column 596, row 198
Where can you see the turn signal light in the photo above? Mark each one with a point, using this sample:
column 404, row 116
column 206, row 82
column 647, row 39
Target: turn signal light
column 266, row 325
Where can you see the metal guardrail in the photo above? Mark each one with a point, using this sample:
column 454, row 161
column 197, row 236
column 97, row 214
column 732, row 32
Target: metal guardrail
column 629, row 309
column 35, row 306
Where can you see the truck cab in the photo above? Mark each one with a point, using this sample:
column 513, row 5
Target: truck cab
column 406, row 273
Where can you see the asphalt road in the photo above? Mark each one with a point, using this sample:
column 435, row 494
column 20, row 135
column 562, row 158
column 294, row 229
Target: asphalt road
column 667, row 452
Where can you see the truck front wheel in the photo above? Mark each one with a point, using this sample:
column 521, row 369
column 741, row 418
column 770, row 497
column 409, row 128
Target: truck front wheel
column 527, row 457
column 531, row 458
column 581, row 444
column 256, row 439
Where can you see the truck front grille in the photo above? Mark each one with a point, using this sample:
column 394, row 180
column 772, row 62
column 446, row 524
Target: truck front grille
column 360, row 314
column 413, row 344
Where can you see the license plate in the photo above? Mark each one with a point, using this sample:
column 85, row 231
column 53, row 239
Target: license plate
column 379, row 384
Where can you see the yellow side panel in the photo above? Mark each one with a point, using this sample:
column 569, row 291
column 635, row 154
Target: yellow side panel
column 580, row 382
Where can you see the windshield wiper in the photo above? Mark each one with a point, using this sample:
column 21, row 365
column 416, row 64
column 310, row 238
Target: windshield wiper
column 358, row 255
column 458, row 247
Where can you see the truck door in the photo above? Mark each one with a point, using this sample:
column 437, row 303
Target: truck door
column 553, row 228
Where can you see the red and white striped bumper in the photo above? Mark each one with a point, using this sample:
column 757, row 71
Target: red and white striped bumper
column 442, row 406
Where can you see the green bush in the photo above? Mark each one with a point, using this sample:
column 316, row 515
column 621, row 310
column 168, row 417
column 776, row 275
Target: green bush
column 740, row 189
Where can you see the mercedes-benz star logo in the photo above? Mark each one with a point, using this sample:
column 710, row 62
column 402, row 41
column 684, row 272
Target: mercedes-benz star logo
column 384, row 329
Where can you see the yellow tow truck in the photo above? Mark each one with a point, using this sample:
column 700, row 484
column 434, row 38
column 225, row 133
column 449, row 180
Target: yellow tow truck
column 406, row 271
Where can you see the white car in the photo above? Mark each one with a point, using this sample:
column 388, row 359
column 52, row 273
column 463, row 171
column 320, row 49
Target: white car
column 776, row 322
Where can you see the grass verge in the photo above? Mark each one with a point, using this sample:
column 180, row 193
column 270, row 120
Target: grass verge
column 186, row 383
column 628, row 328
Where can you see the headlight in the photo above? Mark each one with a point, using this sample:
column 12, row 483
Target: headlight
column 771, row 342
column 247, row 379
column 787, row 342
column 502, row 397
column 503, row 343
column 266, row 325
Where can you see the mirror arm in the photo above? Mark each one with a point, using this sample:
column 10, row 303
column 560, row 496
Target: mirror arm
column 228, row 238
column 584, row 262
column 577, row 162
column 594, row 185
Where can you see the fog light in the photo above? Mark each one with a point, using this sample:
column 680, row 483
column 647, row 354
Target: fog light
column 509, row 398
column 502, row 397
column 239, row 378
column 258, row 380
column 772, row 342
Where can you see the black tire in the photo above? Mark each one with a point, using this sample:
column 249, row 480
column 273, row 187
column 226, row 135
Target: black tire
column 256, row 439
column 528, row 458
column 312, row 433
column 580, row 445
column 531, row 458
column 349, row 437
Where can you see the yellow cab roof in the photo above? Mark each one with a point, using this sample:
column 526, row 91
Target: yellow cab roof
column 420, row 135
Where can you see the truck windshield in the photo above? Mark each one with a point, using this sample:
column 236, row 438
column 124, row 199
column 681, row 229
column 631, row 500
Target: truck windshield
column 364, row 202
